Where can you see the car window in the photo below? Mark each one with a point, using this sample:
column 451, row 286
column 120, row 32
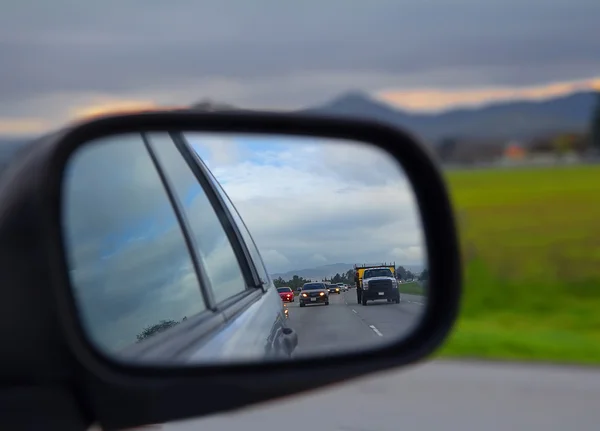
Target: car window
column 129, row 264
column 248, row 240
column 383, row 272
column 212, row 244
column 313, row 286
column 284, row 289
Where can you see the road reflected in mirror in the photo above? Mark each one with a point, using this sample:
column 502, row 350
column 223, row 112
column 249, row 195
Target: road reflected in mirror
column 187, row 248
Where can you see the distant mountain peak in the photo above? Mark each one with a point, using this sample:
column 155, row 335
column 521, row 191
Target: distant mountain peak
column 209, row 105
column 506, row 120
column 515, row 119
column 353, row 96
column 359, row 104
column 353, row 100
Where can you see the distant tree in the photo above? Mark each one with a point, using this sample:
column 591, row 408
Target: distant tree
column 349, row 276
column 404, row 274
column 563, row 144
column 337, row 278
column 279, row 282
column 446, row 148
column 424, row 275
column 297, row 281
column 156, row 328
column 401, row 273
column 595, row 124
column 294, row 283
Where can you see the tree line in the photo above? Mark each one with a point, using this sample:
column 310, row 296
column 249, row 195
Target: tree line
column 348, row 277
column 595, row 124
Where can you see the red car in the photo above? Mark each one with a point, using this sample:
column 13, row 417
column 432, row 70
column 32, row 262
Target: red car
column 286, row 294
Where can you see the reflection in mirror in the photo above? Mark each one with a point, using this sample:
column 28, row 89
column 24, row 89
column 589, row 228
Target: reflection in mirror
column 187, row 248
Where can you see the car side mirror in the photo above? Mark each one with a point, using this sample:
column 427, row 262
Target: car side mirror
column 144, row 286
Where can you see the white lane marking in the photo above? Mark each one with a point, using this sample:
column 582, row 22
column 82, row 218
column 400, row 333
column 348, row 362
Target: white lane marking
column 354, row 310
column 376, row 330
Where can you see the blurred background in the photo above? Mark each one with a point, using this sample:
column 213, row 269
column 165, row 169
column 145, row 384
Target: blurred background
column 504, row 92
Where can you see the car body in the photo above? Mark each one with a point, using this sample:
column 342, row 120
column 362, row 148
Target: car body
column 286, row 294
column 334, row 288
column 343, row 286
column 314, row 293
column 257, row 329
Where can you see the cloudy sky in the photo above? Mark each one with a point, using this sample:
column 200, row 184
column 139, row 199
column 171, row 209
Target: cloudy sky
column 66, row 58
column 307, row 203
column 310, row 202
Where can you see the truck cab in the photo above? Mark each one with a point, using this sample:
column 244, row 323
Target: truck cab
column 375, row 282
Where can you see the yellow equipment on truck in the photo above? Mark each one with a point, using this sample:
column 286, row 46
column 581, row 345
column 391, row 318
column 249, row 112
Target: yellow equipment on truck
column 376, row 281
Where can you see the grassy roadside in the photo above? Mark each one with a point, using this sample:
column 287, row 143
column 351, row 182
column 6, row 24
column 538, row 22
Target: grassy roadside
column 413, row 288
column 531, row 250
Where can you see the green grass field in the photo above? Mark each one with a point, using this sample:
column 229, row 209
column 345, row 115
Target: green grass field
column 411, row 288
column 531, row 251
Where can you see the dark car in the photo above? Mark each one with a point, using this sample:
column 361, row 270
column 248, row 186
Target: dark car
column 286, row 294
column 334, row 288
column 314, row 293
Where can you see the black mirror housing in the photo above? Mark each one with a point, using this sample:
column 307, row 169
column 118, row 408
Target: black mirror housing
column 51, row 341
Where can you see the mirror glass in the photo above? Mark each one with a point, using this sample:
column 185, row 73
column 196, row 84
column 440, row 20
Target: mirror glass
column 188, row 247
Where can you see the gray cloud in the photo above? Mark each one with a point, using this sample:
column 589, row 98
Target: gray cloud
column 323, row 200
column 285, row 54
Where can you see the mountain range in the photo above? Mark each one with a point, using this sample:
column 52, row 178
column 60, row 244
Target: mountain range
column 506, row 120
column 518, row 119
column 327, row 271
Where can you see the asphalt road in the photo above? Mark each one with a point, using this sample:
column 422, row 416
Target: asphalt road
column 344, row 325
column 436, row 395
